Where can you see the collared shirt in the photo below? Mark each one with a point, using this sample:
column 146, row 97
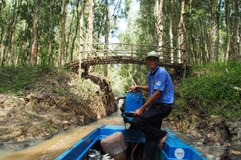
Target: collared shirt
column 159, row 79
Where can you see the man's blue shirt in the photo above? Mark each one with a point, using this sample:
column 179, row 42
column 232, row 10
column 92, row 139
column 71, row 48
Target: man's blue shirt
column 159, row 79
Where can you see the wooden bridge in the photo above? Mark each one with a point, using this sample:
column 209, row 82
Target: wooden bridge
column 127, row 54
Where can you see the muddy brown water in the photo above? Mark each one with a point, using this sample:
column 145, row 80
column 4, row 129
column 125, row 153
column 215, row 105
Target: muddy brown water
column 53, row 147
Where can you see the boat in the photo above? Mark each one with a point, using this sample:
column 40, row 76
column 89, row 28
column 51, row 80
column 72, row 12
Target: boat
column 123, row 142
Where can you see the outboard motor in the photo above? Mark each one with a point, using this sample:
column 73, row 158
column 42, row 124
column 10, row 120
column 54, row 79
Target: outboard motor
column 132, row 101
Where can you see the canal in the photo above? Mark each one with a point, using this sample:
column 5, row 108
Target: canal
column 50, row 149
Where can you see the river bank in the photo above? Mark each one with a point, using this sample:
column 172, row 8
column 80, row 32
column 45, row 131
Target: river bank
column 56, row 102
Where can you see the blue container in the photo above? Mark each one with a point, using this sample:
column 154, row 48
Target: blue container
column 133, row 101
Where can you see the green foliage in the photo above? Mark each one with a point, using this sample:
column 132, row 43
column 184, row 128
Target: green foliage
column 146, row 23
column 212, row 89
column 134, row 75
column 14, row 79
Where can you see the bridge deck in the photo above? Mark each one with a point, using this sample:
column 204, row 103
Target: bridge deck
column 86, row 63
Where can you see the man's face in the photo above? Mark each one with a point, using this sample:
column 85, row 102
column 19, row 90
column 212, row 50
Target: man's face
column 152, row 62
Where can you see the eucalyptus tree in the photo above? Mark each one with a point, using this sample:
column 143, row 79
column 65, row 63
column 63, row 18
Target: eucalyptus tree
column 145, row 23
column 196, row 31
column 50, row 32
column 34, row 50
column 106, row 15
column 9, row 19
column 228, row 29
column 181, row 39
column 81, row 40
column 215, row 29
column 73, row 31
column 90, row 25
column 236, row 34
column 107, row 32
column 233, row 29
column 53, row 32
column 63, row 32
column 140, row 31
column 31, row 30
column 102, row 27
column 159, row 25
column 218, row 24
column 171, row 35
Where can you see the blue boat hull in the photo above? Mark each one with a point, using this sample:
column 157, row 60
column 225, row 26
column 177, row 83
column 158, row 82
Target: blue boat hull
column 173, row 148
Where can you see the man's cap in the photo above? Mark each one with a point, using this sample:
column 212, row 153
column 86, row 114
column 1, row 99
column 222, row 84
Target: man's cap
column 152, row 54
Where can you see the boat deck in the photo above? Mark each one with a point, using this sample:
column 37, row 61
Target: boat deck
column 173, row 148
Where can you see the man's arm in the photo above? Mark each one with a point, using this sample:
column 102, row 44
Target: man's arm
column 145, row 88
column 151, row 100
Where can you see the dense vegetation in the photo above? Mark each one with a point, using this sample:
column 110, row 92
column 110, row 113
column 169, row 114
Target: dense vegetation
column 214, row 88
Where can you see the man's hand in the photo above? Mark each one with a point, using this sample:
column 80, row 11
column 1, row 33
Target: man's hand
column 132, row 88
column 138, row 112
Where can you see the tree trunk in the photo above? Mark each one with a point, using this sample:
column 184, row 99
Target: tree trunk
column 81, row 41
column 2, row 49
column 75, row 35
column 216, row 48
column 205, row 55
column 159, row 26
column 193, row 48
column 7, row 54
column 89, row 36
column 34, row 51
column 107, row 31
column 211, row 31
column 171, row 33
column 51, row 45
column 235, row 31
column 181, row 39
column 62, row 33
column 227, row 20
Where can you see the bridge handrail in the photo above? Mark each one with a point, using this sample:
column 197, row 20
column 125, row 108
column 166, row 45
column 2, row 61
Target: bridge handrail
column 152, row 47
column 103, row 49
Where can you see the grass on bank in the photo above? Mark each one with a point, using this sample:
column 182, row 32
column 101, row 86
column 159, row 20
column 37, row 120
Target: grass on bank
column 13, row 79
column 214, row 88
